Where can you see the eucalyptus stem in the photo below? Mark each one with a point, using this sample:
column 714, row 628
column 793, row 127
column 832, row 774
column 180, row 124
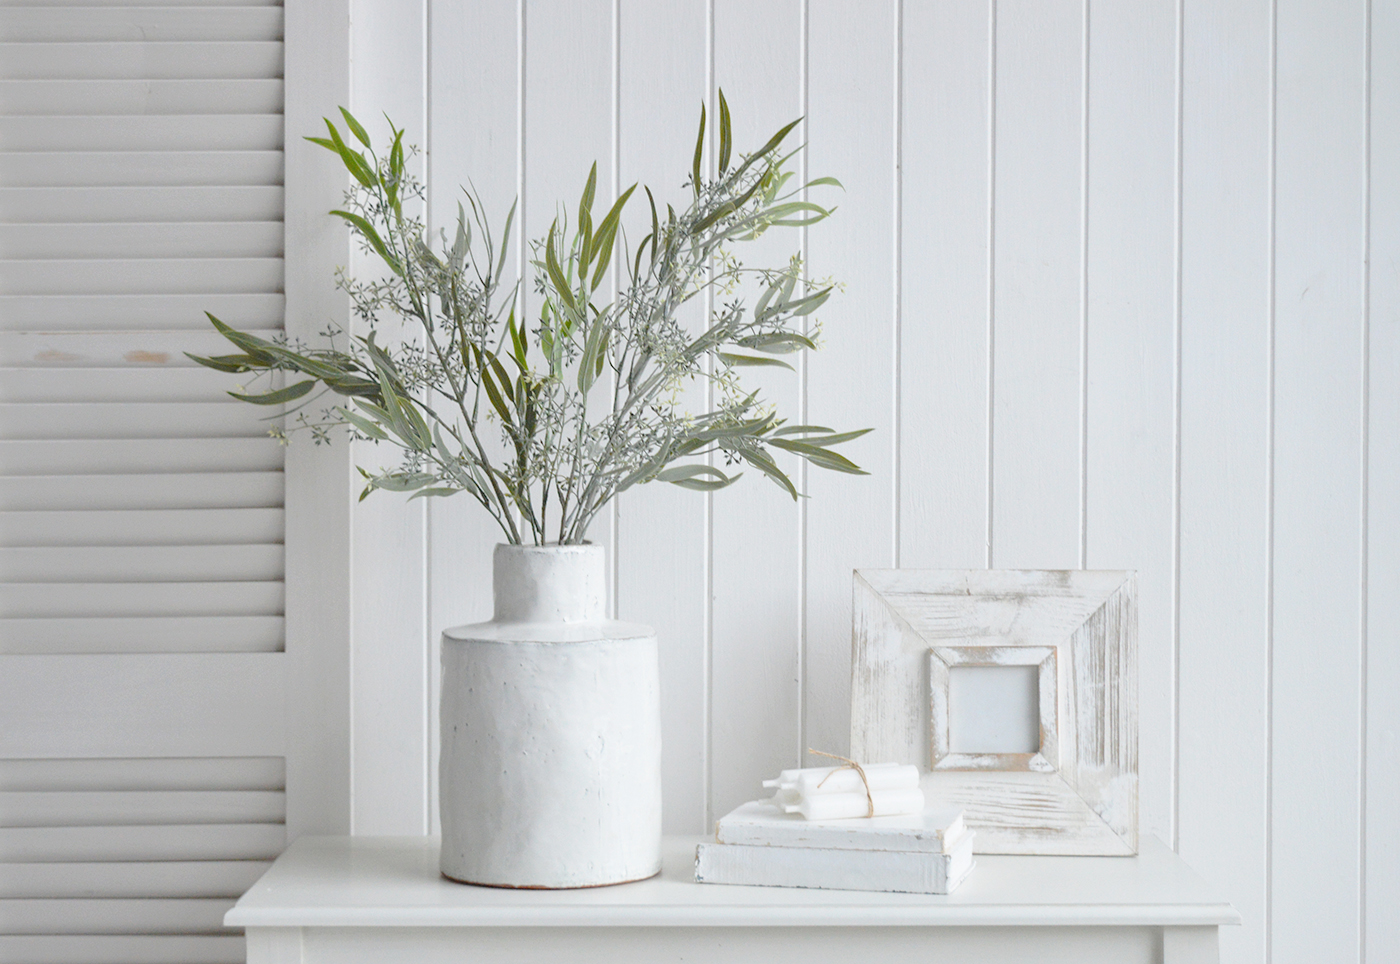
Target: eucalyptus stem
column 478, row 363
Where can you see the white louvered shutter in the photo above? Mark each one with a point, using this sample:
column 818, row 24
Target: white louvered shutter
column 142, row 674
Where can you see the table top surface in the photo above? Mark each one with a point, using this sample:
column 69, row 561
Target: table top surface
column 394, row 882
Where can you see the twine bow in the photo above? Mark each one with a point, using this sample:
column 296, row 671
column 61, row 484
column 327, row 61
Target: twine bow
column 849, row 765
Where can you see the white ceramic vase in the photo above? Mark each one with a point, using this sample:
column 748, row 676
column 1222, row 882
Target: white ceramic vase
column 551, row 732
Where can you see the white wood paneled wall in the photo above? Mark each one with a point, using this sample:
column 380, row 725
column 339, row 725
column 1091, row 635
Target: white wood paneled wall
column 1120, row 292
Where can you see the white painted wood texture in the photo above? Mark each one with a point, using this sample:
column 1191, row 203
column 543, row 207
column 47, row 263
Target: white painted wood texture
column 1076, row 239
column 367, row 899
column 174, row 700
column 1380, row 665
column 390, row 652
column 1068, row 236
column 394, row 882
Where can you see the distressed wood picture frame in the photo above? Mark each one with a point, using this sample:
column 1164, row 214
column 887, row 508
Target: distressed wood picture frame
column 1078, row 792
column 942, row 659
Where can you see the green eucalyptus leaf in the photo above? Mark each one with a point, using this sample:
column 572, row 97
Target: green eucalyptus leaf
column 355, row 127
column 437, row 490
column 768, row 148
column 726, row 137
column 278, row 397
column 352, row 160
column 607, row 232
column 519, row 348
column 495, row 394
column 707, row 485
column 830, row 439
column 585, row 204
column 751, row 361
column 817, row 455
column 769, row 468
column 703, row 478
column 403, row 481
column 556, row 275
column 756, row 426
column 803, row 429
column 363, row 425
column 778, row 343
column 724, row 210
column 505, row 243
column 372, row 236
column 235, row 364
column 699, row 153
column 655, row 224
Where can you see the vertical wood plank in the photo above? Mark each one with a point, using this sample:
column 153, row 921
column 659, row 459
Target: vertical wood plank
column 319, row 499
column 473, row 96
column 389, row 678
column 1038, row 280
column 1319, row 358
column 568, row 117
column 1382, row 826
column 945, row 292
column 850, row 382
column 1225, row 222
column 662, row 538
column 1132, row 351
column 755, row 671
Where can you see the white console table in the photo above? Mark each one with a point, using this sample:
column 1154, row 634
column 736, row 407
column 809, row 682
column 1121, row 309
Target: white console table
column 356, row 900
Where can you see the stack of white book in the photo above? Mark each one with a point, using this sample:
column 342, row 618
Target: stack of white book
column 922, row 853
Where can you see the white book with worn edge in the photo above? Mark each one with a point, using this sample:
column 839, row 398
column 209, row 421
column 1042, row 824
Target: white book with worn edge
column 824, row 868
column 763, row 823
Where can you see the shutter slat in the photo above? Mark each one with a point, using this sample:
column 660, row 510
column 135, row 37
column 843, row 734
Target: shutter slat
column 203, row 132
column 143, row 705
column 121, row 949
column 141, row 556
column 141, row 564
column 145, row 773
column 196, row 878
column 249, row 841
column 211, row 490
column 80, row 420
column 145, row 3
column 40, row 322
column 70, row 205
column 145, row 276
column 85, row 97
column 138, row 168
column 47, row 600
column 130, row 240
column 117, row 385
column 152, row 634
column 141, row 24
column 173, row 61
column 105, row 808
column 119, row 916
column 142, row 528
column 76, row 457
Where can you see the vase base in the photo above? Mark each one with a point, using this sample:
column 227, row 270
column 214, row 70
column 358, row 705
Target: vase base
column 610, row 883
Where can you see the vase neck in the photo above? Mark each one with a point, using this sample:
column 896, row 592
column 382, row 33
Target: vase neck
column 549, row 584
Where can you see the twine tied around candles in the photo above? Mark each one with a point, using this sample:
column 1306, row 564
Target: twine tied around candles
column 850, row 765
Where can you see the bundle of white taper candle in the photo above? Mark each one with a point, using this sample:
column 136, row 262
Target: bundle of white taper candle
column 835, row 793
